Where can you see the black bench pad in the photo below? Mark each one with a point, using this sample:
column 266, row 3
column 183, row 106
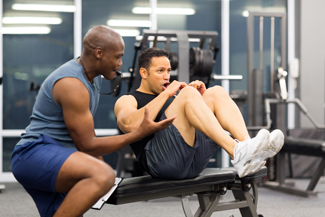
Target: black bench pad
column 149, row 185
column 145, row 187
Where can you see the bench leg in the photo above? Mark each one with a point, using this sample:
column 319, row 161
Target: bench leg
column 207, row 202
column 245, row 201
column 250, row 208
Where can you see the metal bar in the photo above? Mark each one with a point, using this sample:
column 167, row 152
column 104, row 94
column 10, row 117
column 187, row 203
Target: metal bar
column 261, row 42
column 291, row 56
column 290, row 190
column 1, row 90
column 284, row 41
column 208, row 204
column 225, row 24
column 266, row 14
column 77, row 28
column 230, row 205
column 272, row 56
column 183, row 55
column 250, row 209
column 226, row 77
column 250, row 67
column 153, row 14
column 281, row 109
column 319, row 172
column 301, row 107
column 186, row 207
column 163, row 38
column 280, row 171
column 171, row 33
column 258, row 96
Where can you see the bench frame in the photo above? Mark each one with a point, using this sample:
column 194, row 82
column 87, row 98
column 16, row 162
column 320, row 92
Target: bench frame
column 244, row 191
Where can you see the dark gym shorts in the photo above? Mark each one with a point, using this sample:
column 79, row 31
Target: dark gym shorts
column 36, row 165
column 170, row 157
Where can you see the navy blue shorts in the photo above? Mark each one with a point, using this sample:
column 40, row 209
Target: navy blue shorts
column 170, row 157
column 36, row 165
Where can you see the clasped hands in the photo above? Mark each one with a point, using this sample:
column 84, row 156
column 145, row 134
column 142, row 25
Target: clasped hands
column 177, row 85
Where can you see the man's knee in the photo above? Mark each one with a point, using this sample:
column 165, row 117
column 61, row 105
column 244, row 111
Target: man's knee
column 189, row 92
column 215, row 91
column 104, row 176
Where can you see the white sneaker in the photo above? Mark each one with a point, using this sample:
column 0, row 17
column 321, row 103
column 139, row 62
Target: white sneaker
column 276, row 141
column 247, row 153
column 263, row 146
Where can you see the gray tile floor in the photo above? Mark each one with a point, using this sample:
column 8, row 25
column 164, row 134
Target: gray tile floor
column 15, row 202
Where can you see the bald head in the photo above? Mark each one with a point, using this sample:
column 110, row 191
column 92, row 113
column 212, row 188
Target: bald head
column 100, row 36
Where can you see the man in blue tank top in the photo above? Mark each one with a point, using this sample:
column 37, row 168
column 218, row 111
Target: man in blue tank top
column 203, row 116
column 58, row 160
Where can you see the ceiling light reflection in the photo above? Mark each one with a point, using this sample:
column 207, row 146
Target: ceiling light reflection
column 133, row 23
column 128, row 32
column 31, row 20
column 44, row 7
column 26, row 30
column 175, row 11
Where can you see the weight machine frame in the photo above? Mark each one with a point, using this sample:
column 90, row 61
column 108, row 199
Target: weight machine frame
column 183, row 39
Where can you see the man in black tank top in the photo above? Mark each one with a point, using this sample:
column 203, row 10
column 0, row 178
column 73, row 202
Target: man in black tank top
column 203, row 116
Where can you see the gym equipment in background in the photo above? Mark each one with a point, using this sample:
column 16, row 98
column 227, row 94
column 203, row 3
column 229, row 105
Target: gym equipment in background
column 266, row 105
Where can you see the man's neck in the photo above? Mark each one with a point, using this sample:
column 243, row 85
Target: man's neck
column 144, row 89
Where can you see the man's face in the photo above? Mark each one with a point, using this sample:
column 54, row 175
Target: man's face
column 158, row 76
column 112, row 60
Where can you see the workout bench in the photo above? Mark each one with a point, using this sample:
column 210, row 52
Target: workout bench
column 209, row 186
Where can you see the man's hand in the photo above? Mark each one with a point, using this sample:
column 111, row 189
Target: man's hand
column 174, row 87
column 199, row 85
column 148, row 126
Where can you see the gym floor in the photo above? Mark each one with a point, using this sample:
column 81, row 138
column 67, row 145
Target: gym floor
column 15, row 202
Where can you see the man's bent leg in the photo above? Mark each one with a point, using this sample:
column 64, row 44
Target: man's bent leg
column 86, row 179
column 226, row 112
column 192, row 112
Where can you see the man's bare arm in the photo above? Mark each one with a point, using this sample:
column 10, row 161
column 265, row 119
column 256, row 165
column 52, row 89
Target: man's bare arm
column 129, row 117
column 73, row 96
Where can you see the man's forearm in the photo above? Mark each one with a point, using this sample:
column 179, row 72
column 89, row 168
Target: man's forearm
column 109, row 144
column 133, row 120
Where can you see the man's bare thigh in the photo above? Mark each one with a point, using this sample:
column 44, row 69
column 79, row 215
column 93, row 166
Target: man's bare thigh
column 181, row 122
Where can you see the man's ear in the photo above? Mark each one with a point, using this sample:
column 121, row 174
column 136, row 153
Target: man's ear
column 143, row 73
column 99, row 53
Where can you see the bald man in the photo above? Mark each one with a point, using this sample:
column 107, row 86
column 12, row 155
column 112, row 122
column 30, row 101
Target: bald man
column 58, row 160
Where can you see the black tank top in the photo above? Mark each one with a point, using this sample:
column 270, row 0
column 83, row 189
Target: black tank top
column 138, row 147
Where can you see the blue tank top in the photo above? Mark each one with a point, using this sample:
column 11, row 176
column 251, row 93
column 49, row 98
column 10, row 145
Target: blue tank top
column 47, row 115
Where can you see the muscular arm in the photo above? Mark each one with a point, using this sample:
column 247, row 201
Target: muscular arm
column 129, row 117
column 73, row 97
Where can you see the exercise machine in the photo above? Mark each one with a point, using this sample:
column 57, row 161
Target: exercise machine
column 267, row 109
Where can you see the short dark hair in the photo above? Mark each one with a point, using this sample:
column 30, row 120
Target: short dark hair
column 145, row 56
